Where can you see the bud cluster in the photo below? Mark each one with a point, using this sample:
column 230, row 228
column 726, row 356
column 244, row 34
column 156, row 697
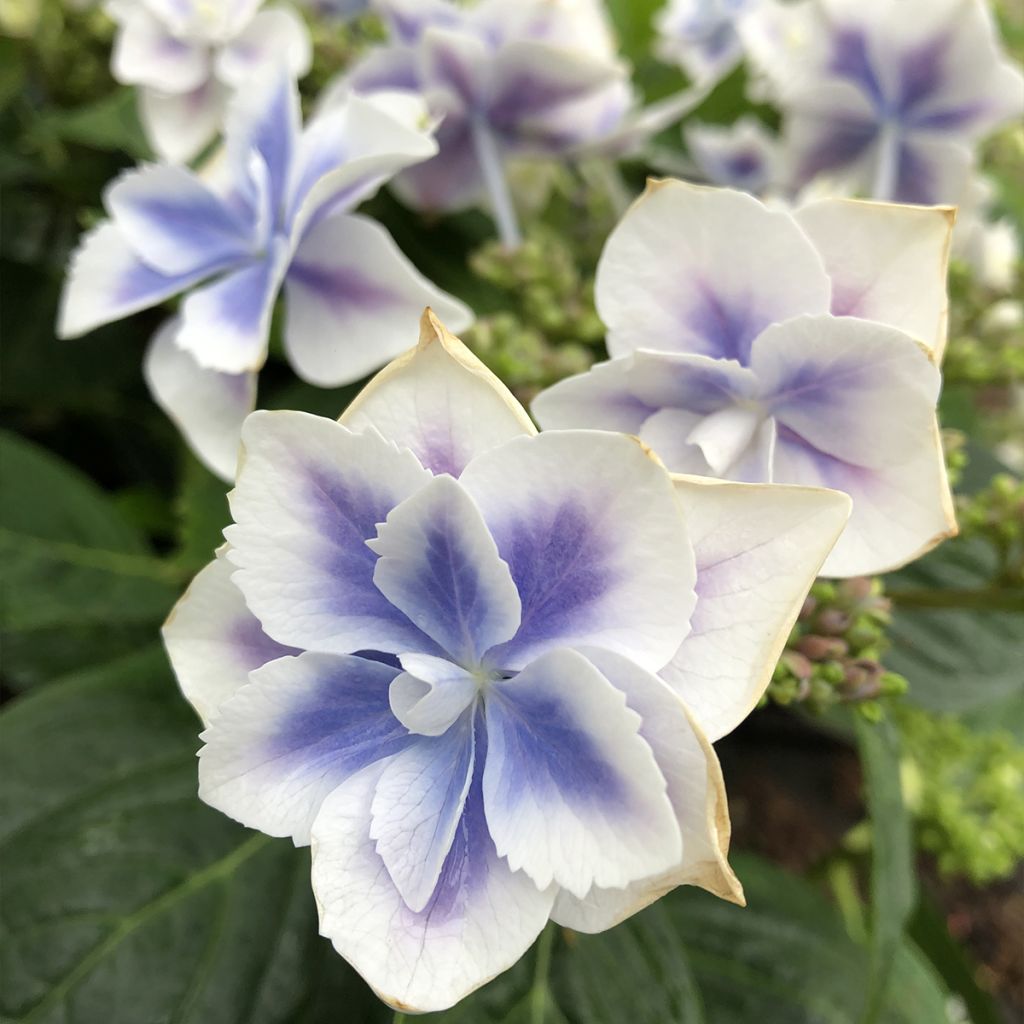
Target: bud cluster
column 833, row 655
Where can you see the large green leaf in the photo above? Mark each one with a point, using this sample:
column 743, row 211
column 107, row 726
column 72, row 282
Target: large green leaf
column 960, row 660
column 78, row 583
column 893, row 888
column 129, row 901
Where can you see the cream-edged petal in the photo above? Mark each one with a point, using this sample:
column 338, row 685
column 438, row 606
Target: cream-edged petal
column 207, row 406
column 310, row 494
column 901, row 510
column 758, row 549
column 440, row 401
column 692, row 269
column 353, row 300
column 695, row 789
column 214, row 641
column 887, row 262
column 572, row 792
column 480, row 920
column 596, row 542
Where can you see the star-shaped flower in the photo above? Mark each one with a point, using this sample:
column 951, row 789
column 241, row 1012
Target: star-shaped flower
column 756, row 344
column 273, row 212
column 885, row 99
column 431, row 649
column 702, row 35
column 188, row 56
column 536, row 78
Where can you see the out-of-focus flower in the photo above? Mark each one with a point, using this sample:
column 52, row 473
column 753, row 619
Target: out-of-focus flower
column 507, row 80
column 272, row 212
column 990, row 247
column 702, row 35
column 742, row 155
column 755, row 344
column 338, row 9
column 188, row 56
column 883, row 99
column 430, row 651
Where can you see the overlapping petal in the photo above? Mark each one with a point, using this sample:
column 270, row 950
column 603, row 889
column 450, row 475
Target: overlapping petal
column 572, row 792
column 563, row 508
column 440, row 566
column 440, row 401
column 351, row 298
column 735, row 268
column 758, row 549
column 214, row 641
column 294, row 733
column 207, row 406
column 310, row 493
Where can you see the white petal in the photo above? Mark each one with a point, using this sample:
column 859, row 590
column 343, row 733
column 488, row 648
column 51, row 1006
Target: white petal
column 431, row 706
column 695, row 789
column 145, row 53
column 440, row 401
column 887, row 262
column 353, row 301
column 572, row 792
column 595, row 539
column 107, row 281
column 309, row 495
column 214, row 641
column 417, row 805
column 179, row 125
column 277, row 34
column 481, row 920
column 294, row 733
column 439, row 564
column 758, row 549
column 208, row 407
column 692, row 269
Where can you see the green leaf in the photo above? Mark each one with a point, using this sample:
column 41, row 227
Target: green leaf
column 202, row 512
column 958, row 660
column 78, row 582
column 893, row 888
column 128, row 900
column 110, row 123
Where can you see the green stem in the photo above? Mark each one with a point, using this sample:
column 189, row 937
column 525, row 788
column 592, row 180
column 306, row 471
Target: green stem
column 539, row 991
column 400, row 1018
column 991, row 598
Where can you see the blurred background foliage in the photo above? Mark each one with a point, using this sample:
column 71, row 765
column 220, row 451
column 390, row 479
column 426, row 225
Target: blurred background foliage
column 877, row 798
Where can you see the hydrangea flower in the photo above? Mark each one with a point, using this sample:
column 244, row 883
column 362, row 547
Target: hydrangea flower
column 741, row 155
column 188, row 56
column 429, row 650
column 273, row 212
column 885, row 99
column 539, row 77
column 756, row 344
column 702, row 35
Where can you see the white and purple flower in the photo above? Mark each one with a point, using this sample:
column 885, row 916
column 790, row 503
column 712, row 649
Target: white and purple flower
column 272, row 213
column 431, row 650
column 755, row 344
column 743, row 155
column 507, row 80
column 884, row 99
column 188, row 56
column 702, row 35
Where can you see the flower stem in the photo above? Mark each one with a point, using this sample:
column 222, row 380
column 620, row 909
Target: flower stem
column 491, row 167
column 400, row 1018
column 989, row 598
column 887, row 167
column 539, row 991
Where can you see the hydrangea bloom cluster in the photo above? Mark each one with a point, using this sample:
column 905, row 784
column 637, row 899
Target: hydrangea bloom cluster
column 882, row 99
column 703, row 35
column 188, row 56
column 755, row 344
column 506, row 79
column 479, row 669
column 272, row 212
